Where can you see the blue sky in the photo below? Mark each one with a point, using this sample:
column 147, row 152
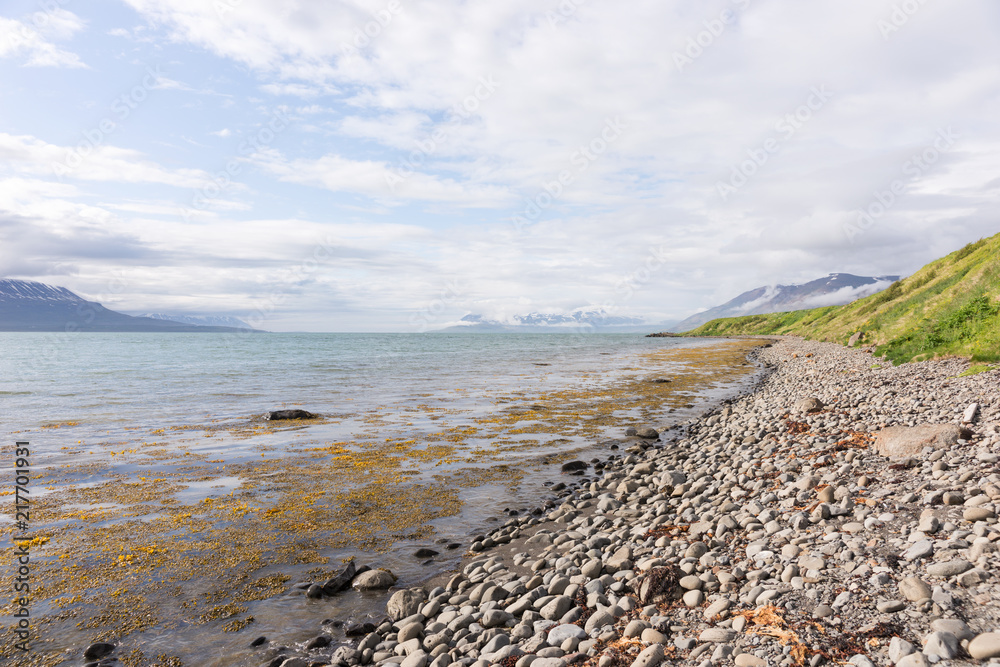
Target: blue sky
column 394, row 165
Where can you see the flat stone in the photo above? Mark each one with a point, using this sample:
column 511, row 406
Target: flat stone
column 919, row 550
column 749, row 660
column 717, row 635
column 973, row 514
column 948, row 568
column 561, row 633
column 985, row 646
column 890, row 606
column 902, row 441
column 912, row 660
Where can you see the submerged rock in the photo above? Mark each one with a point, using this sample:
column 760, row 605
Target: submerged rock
column 277, row 415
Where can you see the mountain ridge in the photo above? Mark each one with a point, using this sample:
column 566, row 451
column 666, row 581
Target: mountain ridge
column 27, row 305
column 835, row 289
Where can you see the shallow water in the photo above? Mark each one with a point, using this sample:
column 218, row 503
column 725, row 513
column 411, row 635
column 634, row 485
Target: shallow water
column 177, row 519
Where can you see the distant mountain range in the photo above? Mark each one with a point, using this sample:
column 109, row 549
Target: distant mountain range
column 836, row 289
column 581, row 319
column 201, row 320
column 32, row 306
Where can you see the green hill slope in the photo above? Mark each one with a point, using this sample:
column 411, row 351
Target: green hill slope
column 949, row 307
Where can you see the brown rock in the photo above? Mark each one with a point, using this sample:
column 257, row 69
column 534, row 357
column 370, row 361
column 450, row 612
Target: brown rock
column 902, row 441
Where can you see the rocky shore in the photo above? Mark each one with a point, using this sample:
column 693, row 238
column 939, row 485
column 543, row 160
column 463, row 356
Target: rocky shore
column 843, row 511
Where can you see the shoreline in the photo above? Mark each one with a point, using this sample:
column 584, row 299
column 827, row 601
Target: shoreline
column 766, row 535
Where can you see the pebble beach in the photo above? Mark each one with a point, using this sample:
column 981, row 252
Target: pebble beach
column 843, row 511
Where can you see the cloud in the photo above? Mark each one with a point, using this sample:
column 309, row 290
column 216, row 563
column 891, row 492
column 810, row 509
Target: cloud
column 224, row 132
column 34, row 43
column 90, row 161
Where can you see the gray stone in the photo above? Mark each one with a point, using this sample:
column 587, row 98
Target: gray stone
column 599, row 619
column 404, row 603
column 953, row 625
column 557, row 608
column 942, row 644
column 561, row 633
column 912, row 660
column 416, row 659
column 374, row 580
column 948, row 568
column 890, row 606
column 651, row 656
column 973, row 514
column 919, row 550
column 647, row 433
column 899, row 648
column 807, row 405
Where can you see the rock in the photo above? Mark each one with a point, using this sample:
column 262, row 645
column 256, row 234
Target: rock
column 902, row 441
column 647, row 433
column 973, row 514
column 295, row 662
column 560, row 633
column 716, row 608
column 656, row 585
column 404, row 603
column 557, row 608
column 319, row 641
column 985, row 646
column 912, row 660
column 315, row 591
column 415, row 659
column 919, row 550
column 717, row 635
column 260, row 641
column 914, row 589
column 942, row 644
column 341, row 581
column 891, row 606
column 424, row 552
column 956, row 627
column 970, row 413
column 899, row 648
column 807, row 405
column 374, row 580
column 278, row 415
column 651, row 656
column 599, row 619
column 496, row 618
column 853, row 340
column 575, row 466
column 948, row 568
column 98, row 650
column 749, row 660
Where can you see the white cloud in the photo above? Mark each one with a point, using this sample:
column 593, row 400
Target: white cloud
column 91, row 162
column 224, row 132
column 32, row 39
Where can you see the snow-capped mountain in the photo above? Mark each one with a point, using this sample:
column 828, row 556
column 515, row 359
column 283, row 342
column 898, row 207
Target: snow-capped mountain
column 581, row 319
column 27, row 305
column 835, row 289
column 201, row 320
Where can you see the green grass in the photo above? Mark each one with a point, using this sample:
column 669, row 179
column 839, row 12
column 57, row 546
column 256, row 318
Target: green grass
column 976, row 369
column 949, row 307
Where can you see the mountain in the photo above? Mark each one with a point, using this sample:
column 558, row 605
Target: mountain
column 590, row 319
column 949, row 307
column 201, row 320
column 834, row 290
column 31, row 306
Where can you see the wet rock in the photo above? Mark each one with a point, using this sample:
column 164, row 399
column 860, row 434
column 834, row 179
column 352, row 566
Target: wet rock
column 575, row 466
column 341, row 581
column 424, row 552
column 374, row 580
column 278, row 415
column 98, row 650
column 647, row 432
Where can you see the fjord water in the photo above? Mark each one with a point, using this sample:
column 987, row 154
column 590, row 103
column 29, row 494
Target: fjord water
column 136, row 436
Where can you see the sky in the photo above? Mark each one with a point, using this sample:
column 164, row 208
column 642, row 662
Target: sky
column 393, row 165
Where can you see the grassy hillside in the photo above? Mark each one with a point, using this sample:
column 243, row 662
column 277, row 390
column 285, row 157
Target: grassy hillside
column 949, row 307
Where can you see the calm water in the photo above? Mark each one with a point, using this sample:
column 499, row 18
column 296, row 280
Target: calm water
column 129, row 431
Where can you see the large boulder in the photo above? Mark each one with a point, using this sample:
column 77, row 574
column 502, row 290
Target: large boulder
column 341, row 581
column 404, row 603
column 278, row 415
column 902, row 441
column 807, row 405
column 374, row 580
